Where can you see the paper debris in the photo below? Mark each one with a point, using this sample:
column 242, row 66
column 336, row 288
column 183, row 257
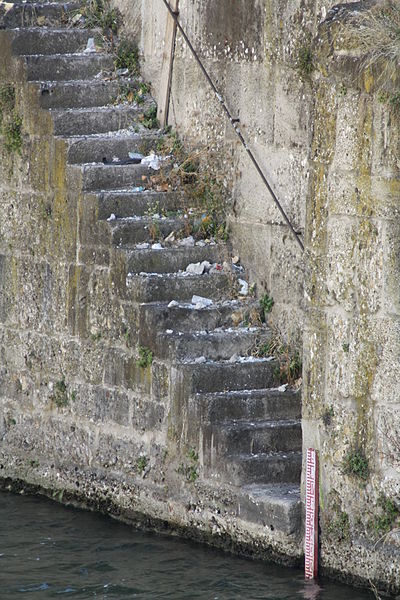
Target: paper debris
column 200, row 302
column 244, row 287
column 188, row 241
column 90, row 47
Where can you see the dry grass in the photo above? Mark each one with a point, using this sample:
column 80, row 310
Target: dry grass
column 377, row 32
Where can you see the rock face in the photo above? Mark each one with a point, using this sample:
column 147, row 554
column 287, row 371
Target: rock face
column 127, row 379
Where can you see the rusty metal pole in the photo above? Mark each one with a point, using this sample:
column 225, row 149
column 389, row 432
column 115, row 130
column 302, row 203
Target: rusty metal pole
column 167, row 64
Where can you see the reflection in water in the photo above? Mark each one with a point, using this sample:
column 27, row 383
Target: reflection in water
column 48, row 551
column 311, row 590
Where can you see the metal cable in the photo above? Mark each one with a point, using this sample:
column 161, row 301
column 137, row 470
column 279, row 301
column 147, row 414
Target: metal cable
column 234, row 124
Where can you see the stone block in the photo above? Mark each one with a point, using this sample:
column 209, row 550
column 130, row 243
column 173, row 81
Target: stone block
column 148, row 415
column 348, row 135
column 391, row 268
column 354, row 277
column 102, row 405
column 385, row 147
column 51, row 436
column 120, row 453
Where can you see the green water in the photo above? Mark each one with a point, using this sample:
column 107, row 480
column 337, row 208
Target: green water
column 48, row 551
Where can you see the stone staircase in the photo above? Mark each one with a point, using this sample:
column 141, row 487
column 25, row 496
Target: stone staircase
column 245, row 429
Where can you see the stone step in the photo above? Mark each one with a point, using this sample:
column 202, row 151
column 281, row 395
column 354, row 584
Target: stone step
column 103, row 148
column 215, row 345
column 171, row 259
column 128, row 204
column 135, row 230
column 172, row 286
column 77, row 94
column 218, row 376
column 66, row 67
column 98, row 176
column 252, row 437
column 158, row 315
column 269, row 468
column 270, row 403
column 277, row 507
column 39, row 40
column 86, row 121
column 35, row 14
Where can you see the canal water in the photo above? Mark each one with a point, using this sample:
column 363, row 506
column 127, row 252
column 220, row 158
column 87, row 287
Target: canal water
column 49, row 551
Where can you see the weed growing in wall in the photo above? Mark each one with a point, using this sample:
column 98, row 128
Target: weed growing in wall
column 10, row 120
column 141, row 464
column 355, row 463
column 305, row 61
column 7, row 100
column 339, row 526
column 387, row 516
column 190, row 469
column 145, row 357
column 327, row 416
column 12, row 132
column 60, row 396
column 266, row 305
column 376, row 33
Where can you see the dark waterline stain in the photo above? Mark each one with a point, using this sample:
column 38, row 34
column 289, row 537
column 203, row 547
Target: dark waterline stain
column 49, row 551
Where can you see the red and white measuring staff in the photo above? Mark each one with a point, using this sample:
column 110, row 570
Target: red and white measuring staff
column 312, row 493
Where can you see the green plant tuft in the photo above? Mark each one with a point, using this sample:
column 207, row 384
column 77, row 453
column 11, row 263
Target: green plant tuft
column 327, row 416
column 127, row 57
column 388, row 516
column 141, row 464
column 355, row 463
column 99, row 13
column 12, row 131
column 190, row 470
column 7, row 100
column 192, row 455
column 288, row 358
column 60, row 394
column 10, row 120
column 150, row 120
column 305, row 61
column 266, row 304
column 145, row 357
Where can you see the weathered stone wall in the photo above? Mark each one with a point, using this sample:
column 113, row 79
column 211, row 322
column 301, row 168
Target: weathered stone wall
column 350, row 400
column 81, row 421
